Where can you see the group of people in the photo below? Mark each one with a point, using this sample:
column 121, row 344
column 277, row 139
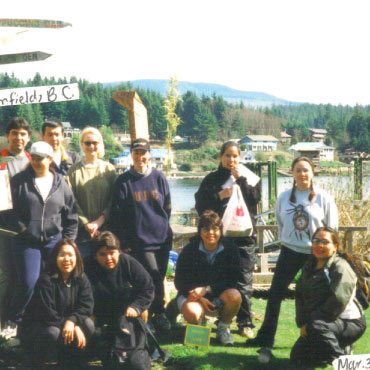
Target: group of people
column 91, row 249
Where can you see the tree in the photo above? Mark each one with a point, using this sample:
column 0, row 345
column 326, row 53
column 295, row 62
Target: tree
column 173, row 120
column 112, row 147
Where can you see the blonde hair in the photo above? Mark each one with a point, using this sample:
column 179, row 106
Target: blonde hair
column 96, row 132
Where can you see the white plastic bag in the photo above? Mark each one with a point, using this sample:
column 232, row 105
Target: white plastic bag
column 236, row 220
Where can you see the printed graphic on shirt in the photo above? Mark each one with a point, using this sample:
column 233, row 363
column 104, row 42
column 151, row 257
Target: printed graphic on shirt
column 300, row 221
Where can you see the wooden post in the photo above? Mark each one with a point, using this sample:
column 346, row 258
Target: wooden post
column 137, row 113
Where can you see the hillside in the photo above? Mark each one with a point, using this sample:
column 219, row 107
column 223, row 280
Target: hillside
column 249, row 98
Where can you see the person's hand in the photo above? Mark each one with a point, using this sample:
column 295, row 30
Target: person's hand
column 304, row 331
column 226, row 193
column 196, row 294
column 207, row 304
column 68, row 332
column 235, row 172
column 91, row 228
column 131, row 312
column 80, row 337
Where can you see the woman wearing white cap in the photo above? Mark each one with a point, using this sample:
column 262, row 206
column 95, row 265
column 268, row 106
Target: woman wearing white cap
column 44, row 212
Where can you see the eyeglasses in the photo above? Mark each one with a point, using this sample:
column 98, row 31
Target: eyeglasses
column 88, row 143
column 321, row 241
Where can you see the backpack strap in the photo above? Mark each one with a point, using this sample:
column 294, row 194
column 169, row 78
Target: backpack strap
column 163, row 354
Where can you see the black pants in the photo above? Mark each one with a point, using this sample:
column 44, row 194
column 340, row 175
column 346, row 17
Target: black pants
column 45, row 342
column 325, row 341
column 245, row 284
column 287, row 266
column 155, row 262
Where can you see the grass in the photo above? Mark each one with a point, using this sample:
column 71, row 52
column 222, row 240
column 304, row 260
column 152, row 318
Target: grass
column 241, row 357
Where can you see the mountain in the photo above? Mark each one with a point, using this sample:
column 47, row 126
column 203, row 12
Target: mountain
column 249, row 98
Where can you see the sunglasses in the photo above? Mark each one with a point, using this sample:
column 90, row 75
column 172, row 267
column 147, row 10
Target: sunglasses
column 321, row 241
column 88, row 143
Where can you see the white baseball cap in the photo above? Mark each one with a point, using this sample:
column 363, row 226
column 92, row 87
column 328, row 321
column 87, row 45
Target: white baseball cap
column 42, row 149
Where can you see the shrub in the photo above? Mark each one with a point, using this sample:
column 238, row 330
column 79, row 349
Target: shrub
column 186, row 167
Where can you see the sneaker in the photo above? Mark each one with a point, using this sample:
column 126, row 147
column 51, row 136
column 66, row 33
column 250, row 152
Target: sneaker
column 246, row 332
column 224, row 335
column 265, row 355
column 161, row 322
column 348, row 350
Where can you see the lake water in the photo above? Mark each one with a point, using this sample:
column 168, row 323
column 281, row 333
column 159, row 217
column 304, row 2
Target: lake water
column 183, row 190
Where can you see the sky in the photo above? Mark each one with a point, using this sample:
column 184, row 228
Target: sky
column 313, row 51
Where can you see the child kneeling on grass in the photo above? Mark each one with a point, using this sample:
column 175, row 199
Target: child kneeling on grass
column 206, row 277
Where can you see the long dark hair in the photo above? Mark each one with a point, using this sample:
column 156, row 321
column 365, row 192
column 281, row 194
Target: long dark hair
column 52, row 267
column 292, row 197
column 354, row 260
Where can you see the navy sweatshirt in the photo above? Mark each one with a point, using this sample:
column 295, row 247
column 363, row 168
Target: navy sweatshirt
column 141, row 209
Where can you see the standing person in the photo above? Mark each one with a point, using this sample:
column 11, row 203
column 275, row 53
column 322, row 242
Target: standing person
column 206, row 274
column 57, row 323
column 299, row 212
column 123, row 291
column 141, row 210
column 44, row 212
column 91, row 180
column 53, row 134
column 329, row 318
column 14, row 158
column 212, row 195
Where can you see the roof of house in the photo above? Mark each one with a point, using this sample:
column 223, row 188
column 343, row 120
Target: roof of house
column 321, row 131
column 260, row 138
column 285, row 135
column 309, row 146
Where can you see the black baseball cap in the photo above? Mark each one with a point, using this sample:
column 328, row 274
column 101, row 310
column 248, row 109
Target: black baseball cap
column 140, row 144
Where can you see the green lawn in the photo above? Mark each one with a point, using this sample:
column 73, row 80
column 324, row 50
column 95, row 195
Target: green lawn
column 240, row 357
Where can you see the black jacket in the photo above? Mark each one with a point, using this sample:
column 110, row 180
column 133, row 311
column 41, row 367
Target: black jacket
column 128, row 284
column 207, row 195
column 53, row 302
column 66, row 163
column 37, row 220
column 193, row 269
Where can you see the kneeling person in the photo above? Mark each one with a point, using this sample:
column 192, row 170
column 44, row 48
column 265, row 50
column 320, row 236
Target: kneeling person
column 206, row 277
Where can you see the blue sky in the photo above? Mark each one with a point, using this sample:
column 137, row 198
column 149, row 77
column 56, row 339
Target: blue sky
column 300, row 50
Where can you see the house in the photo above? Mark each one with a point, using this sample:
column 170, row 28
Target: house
column 285, row 138
column 158, row 158
column 69, row 131
column 318, row 134
column 123, row 138
column 262, row 143
column 317, row 151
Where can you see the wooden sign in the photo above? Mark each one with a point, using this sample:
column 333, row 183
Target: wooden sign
column 32, row 23
column 137, row 113
column 39, row 94
column 33, row 56
column 197, row 335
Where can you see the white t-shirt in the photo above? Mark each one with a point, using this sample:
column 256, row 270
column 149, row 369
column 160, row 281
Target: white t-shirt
column 44, row 184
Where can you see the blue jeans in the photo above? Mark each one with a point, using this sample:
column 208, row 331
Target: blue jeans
column 28, row 261
column 287, row 266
